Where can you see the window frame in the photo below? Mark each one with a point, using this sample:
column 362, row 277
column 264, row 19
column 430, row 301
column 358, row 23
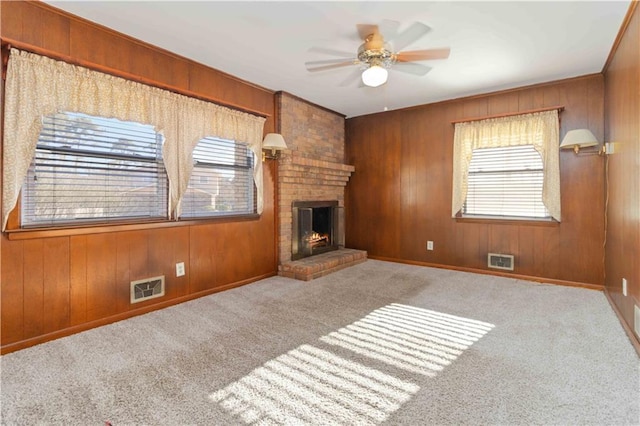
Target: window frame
column 93, row 155
column 250, row 190
column 15, row 231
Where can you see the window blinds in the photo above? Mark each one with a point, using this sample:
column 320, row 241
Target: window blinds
column 505, row 181
column 221, row 181
column 89, row 169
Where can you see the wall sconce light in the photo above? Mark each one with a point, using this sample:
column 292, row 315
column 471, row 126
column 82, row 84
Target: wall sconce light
column 580, row 138
column 275, row 143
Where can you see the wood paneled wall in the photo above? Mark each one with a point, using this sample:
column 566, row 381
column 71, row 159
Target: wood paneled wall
column 400, row 195
column 55, row 286
column 622, row 126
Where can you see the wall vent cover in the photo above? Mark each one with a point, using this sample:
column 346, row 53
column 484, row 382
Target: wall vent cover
column 147, row 288
column 637, row 319
column 500, row 261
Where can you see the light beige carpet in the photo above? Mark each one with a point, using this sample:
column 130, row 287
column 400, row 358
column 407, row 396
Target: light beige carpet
column 375, row 343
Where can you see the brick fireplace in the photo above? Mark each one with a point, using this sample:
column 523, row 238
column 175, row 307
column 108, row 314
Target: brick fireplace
column 312, row 169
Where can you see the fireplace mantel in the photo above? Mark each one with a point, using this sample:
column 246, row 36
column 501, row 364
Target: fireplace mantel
column 300, row 170
column 302, row 160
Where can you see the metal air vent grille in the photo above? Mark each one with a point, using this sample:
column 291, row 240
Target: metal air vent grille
column 500, row 261
column 148, row 288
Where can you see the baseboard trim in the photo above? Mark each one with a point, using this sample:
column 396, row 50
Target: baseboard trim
column 627, row 328
column 23, row 344
column 597, row 287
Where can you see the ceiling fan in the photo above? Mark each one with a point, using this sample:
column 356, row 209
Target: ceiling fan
column 376, row 56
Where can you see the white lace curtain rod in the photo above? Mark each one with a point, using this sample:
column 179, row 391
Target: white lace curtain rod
column 510, row 114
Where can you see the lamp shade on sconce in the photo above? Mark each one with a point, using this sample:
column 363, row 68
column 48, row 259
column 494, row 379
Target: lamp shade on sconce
column 274, row 142
column 578, row 138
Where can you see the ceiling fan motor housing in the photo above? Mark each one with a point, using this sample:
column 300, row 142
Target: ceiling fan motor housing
column 374, row 51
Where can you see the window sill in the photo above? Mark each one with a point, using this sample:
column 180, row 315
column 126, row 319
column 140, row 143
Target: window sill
column 508, row 221
column 29, row 234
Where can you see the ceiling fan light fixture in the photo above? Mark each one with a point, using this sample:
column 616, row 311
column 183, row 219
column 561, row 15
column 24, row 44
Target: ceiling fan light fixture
column 374, row 76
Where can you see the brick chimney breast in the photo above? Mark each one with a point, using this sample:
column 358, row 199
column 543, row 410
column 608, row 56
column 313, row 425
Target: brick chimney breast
column 312, row 168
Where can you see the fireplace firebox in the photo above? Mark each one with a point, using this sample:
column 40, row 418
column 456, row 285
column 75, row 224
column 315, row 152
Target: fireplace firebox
column 317, row 228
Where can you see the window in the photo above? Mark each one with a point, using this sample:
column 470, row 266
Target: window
column 94, row 169
column 90, row 153
column 516, row 167
column 506, row 182
column 222, row 180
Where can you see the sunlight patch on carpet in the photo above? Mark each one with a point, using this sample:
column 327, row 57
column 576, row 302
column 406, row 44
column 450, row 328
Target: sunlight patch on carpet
column 413, row 339
column 311, row 385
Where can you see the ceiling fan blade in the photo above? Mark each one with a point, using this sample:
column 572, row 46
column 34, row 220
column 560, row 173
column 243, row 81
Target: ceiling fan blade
column 365, row 30
column 389, row 28
column 408, row 36
column 331, row 52
column 329, row 61
column 411, row 68
column 329, row 66
column 423, row 55
column 351, row 78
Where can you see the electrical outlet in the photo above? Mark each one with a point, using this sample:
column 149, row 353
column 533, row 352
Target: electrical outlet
column 624, row 286
column 179, row 269
column 429, row 245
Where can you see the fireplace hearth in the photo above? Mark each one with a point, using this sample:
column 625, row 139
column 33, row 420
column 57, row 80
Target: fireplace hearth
column 316, row 228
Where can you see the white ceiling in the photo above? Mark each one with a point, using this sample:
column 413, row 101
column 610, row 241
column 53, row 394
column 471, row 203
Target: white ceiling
column 494, row 45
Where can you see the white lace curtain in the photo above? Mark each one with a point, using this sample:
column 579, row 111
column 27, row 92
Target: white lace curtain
column 37, row 86
column 538, row 129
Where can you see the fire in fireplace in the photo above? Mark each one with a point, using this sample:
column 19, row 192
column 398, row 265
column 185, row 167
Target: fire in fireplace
column 316, row 228
column 318, row 240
